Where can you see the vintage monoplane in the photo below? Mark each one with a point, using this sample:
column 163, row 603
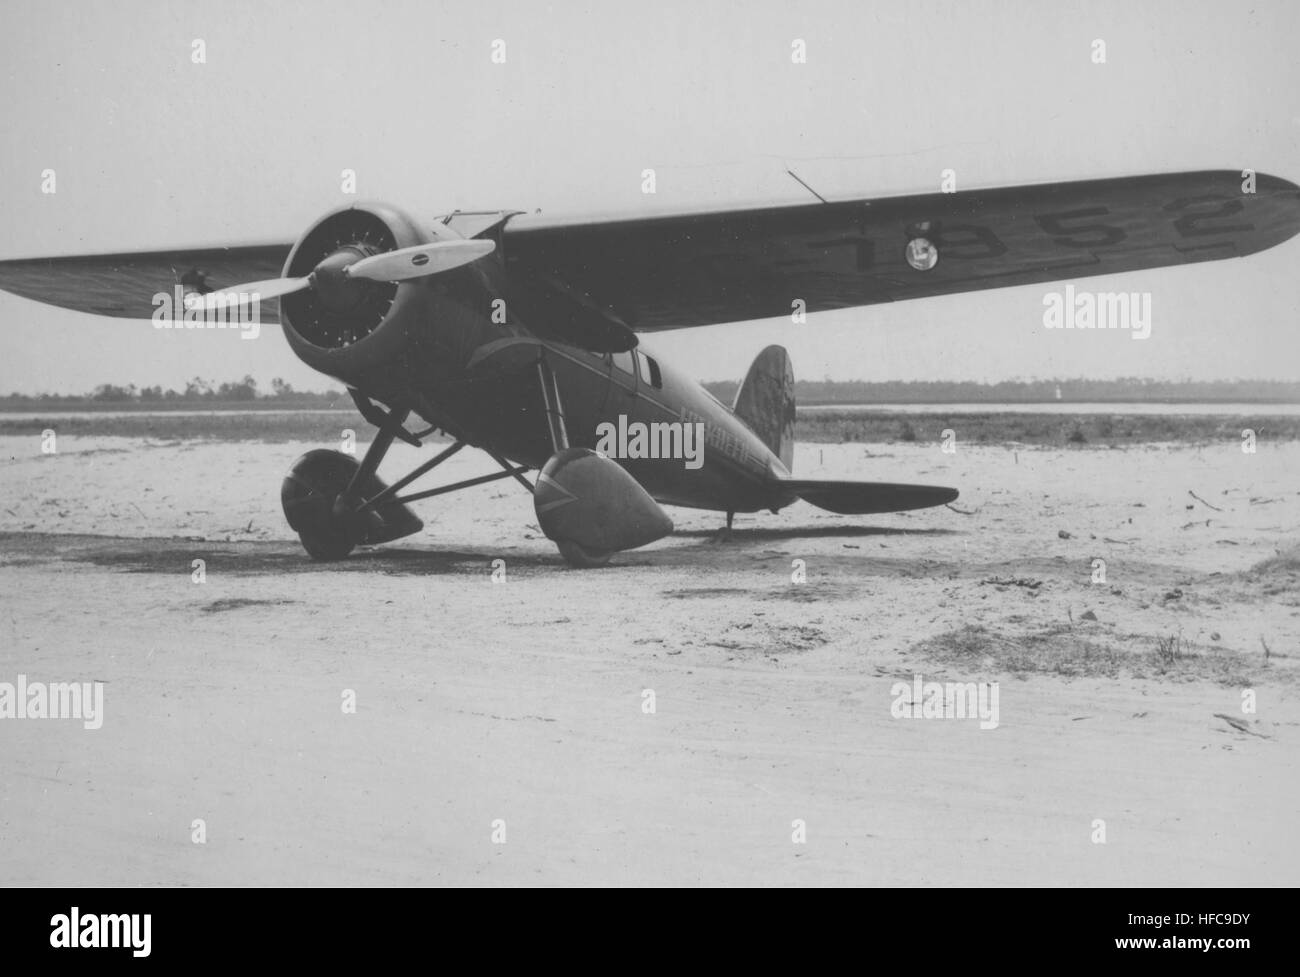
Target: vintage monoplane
column 518, row 333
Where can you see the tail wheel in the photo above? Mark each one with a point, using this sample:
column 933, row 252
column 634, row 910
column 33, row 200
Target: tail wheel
column 578, row 556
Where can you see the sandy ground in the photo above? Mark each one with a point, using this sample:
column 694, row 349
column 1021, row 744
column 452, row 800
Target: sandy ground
column 524, row 701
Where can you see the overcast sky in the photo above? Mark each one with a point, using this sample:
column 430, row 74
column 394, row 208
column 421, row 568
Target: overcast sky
column 152, row 150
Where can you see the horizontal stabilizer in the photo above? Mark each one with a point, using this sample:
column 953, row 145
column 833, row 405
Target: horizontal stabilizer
column 864, row 498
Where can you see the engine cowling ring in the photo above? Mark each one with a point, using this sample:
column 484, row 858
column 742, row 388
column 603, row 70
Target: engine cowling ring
column 338, row 325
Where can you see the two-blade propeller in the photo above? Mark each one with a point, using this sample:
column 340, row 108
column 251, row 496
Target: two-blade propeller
column 419, row 261
column 404, row 264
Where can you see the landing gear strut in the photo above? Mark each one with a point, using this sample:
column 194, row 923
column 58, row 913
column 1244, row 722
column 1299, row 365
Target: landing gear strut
column 336, row 504
column 576, row 556
column 573, row 552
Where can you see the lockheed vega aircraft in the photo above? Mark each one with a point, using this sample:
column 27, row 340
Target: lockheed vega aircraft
column 518, row 333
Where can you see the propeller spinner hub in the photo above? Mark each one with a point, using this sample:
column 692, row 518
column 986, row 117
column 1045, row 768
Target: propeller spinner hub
column 337, row 292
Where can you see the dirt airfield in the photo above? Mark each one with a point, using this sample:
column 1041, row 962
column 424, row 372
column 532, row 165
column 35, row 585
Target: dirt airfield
column 503, row 731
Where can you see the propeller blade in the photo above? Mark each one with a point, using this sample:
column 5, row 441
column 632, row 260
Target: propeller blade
column 419, row 261
column 272, row 288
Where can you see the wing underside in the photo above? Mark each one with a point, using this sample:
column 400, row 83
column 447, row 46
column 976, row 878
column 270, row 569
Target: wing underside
column 695, row 269
column 124, row 286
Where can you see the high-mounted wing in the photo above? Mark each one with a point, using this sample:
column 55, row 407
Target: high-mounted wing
column 124, row 285
column 666, row 272
column 654, row 273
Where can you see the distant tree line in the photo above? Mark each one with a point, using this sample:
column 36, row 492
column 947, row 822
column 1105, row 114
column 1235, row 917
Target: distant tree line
column 198, row 390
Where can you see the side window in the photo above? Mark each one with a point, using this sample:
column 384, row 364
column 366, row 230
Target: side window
column 623, row 361
column 649, row 370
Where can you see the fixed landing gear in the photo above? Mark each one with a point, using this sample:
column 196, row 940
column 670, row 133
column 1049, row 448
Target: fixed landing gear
column 336, row 503
column 588, row 504
column 308, row 495
column 585, row 502
column 574, row 553
column 314, row 496
column 583, row 559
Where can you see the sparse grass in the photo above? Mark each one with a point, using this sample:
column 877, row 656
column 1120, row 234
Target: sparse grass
column 821, row 426
column 1276, row 578
column 1058, row 650
column 829, row 426
column 164, row 426
column 1168, row 649
column 1069, row 651
column 1286, row 561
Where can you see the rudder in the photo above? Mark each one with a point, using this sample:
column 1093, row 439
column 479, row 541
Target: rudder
column 765, row 402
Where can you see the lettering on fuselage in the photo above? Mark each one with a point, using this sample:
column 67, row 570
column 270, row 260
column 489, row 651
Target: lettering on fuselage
column 722, row 441
column 634, row 440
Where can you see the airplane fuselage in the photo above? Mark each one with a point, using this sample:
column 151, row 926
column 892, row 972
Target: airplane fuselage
column 467, row 360
column 642, row 406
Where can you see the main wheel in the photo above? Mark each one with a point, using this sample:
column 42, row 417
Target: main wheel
column 325, row 545
column 308, row 494
column 578, row 556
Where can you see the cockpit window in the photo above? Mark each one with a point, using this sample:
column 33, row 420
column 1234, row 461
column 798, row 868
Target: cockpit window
column 650, row 370
column 623, row 361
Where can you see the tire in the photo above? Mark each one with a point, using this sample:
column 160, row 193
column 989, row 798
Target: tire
column 326, row 547
column 308, row 494
column 584, row 559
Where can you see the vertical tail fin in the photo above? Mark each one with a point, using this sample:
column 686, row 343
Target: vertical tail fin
column 765, row 402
